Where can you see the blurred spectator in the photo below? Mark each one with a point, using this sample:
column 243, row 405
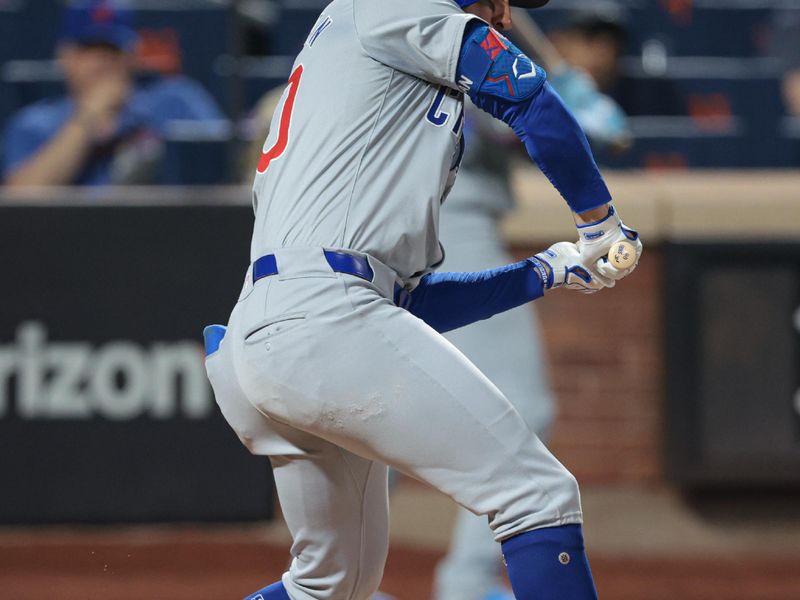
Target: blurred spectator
column 594, row 41
column 107, row 130
column 785, row 45
column 600, row 116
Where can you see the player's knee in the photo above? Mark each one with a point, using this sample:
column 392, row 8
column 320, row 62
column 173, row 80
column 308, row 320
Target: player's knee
column 561, row 491
column 547, row 501
column 561, row 498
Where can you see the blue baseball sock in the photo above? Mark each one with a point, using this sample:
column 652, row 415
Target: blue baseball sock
column 276, row 591
column 549, row 564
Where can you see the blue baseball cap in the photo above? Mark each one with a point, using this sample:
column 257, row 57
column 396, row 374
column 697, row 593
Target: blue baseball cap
column 98, row 22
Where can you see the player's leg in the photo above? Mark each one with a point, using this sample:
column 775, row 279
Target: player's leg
column 532, row 554
column 336, row 507
column 334, row 502
column 371, row 378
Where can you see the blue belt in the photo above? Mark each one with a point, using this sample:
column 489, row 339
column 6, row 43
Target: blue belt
column 340, row 262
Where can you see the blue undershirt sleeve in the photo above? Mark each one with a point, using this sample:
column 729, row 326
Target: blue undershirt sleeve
column 504, row 82
column 22, row 140
column 447, row 301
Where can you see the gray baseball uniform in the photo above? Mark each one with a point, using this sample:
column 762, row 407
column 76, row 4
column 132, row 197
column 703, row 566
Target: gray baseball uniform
column 320, row 370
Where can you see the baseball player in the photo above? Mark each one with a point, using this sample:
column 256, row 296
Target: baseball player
column 333, row 364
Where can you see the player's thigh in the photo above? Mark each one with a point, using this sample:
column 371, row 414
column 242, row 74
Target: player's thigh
column 508, row 350
column 448, row 424
column 335, row 504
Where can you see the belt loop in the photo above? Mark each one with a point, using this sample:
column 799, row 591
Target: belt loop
column 265, row 266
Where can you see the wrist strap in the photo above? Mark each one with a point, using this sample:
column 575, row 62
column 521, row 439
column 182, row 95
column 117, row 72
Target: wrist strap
column 545, row 272
column 594, row 231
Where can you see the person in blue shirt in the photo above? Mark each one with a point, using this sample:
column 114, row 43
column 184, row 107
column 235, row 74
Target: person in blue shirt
column 107, row 130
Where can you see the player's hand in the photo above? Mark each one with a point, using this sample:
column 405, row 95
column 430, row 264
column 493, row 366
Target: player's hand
column 561, row 266
column 100, row 107
column 596, row 239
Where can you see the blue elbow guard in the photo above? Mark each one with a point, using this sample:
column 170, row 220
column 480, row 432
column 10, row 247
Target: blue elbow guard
column 504, row 82
column 491, row 65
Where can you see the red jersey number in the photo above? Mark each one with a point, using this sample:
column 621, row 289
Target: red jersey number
column 279, row 147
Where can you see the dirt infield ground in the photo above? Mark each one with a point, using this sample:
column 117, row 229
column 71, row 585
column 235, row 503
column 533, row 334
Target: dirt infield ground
column 221, row 564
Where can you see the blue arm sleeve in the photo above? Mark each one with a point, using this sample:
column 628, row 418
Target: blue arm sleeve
column 504, row 82
column 447, row 301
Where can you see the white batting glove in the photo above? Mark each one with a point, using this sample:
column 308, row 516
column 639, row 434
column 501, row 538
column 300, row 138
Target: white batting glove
column 561, row 266
column 596, row 239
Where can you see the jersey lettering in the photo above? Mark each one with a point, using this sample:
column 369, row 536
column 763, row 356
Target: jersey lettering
column 436, row 115
column 317, row 31
column 465, row 84
column 285, row 123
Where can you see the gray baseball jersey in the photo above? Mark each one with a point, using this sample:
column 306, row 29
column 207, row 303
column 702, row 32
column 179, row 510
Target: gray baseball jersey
column 366, row 141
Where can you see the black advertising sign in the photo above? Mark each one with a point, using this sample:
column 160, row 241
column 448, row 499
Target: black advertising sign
column 105, row 411
column 733, row 363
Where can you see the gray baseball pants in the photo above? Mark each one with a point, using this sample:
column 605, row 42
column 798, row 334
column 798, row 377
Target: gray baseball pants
column 321, row 372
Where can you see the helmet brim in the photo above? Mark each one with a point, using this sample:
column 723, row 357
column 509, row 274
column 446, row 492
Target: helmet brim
column 529, row 3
